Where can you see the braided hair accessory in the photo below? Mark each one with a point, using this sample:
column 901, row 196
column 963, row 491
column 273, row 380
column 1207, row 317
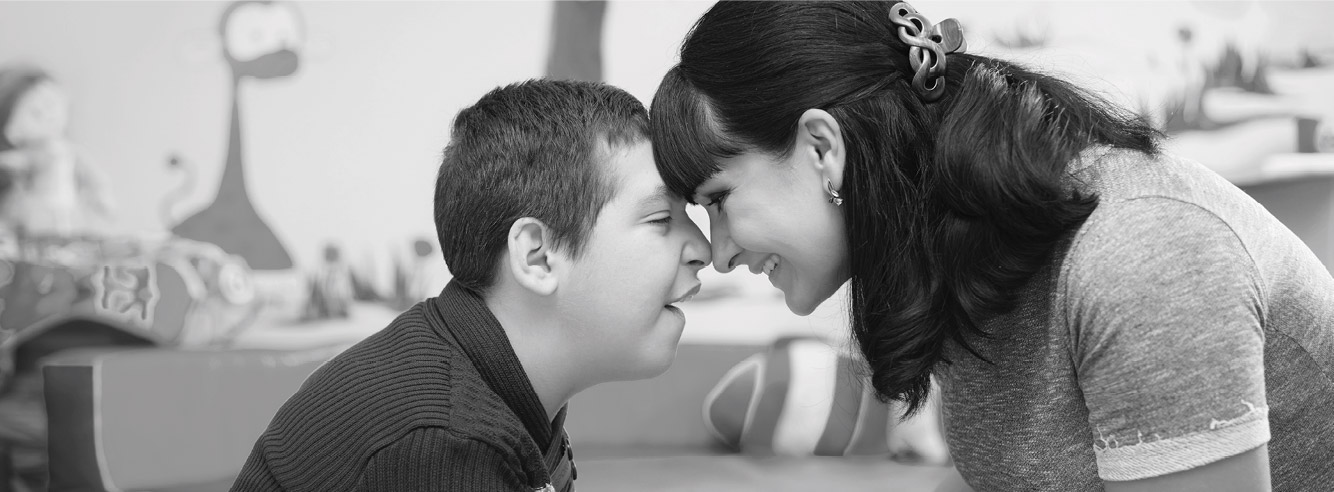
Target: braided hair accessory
column 928, row 46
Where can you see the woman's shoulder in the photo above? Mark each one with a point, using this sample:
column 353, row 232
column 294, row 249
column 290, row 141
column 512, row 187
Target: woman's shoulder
column 1159, row 218
column 1116, row 175
column 1150, row 229
column 1145, row 199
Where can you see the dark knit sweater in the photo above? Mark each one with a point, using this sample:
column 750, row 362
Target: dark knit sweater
column 436, row 401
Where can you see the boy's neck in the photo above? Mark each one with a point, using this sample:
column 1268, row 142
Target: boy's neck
column 542, row 350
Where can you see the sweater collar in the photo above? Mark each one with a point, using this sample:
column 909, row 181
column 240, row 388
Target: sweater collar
column 478, row 332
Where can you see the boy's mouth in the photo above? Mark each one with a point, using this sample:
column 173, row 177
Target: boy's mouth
column 771, row 265
column 685, row 297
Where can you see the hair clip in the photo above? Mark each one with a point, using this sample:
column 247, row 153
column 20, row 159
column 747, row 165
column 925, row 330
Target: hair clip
column 929, row 45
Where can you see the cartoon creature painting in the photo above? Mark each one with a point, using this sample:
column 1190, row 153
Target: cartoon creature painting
column 260, row 41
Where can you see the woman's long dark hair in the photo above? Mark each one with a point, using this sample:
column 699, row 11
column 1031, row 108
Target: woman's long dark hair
column 951, row 207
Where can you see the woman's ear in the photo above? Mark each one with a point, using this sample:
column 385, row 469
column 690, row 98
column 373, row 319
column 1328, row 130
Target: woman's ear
column 818, row 130
column 530, row 254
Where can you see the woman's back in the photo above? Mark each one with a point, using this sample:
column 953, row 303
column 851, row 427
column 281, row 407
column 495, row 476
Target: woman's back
column 1181, row 324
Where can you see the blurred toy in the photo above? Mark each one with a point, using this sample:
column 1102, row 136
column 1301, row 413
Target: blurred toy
column 168, row 292
column 416, row 278
column 50, row 187
column 803, row 397
column 363, row 287
column 1315, row 133
column 330, row 288
column 1324, row 135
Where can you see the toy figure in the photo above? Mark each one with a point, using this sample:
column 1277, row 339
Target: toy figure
column 415, row 277
column 49, row 187
column 330, row 288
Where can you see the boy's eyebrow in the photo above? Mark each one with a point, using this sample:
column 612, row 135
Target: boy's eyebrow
column 659, row 194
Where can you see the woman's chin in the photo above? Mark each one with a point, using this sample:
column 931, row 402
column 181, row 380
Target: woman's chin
column 800, row 305
column 803, row 302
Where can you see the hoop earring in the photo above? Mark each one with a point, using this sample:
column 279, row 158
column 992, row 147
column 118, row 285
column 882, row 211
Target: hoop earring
column 834, row 198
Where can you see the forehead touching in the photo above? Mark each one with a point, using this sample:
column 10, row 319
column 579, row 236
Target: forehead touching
column 689, row 139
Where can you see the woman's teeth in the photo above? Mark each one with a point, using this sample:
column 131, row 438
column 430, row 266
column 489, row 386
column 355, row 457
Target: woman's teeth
column 770, row 265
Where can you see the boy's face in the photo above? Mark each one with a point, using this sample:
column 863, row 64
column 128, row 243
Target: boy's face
column 642, row 255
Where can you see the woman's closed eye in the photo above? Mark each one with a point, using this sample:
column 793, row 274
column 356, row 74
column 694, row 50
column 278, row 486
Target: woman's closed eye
column 717, row 198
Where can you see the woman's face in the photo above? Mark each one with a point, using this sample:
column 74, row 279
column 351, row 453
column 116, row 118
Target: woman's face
column 773, row 216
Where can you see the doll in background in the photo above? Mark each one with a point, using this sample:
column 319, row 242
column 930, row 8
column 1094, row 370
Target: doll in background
column 331, row 289
column 51, row 189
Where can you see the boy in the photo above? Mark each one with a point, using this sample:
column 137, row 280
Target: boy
column 567, row 253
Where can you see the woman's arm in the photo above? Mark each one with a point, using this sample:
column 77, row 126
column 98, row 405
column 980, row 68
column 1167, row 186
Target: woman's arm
column 1247, row 471
column 1168, row 310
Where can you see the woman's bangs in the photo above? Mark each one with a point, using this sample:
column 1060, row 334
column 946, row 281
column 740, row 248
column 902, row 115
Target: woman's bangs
column 687, row 142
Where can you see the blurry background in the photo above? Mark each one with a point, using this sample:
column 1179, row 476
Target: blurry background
column 268, row 173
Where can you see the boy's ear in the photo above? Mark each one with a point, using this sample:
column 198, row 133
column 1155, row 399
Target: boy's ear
column 818, row 130
column 530, row 256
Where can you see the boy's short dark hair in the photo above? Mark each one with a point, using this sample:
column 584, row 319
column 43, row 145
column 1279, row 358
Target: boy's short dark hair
column 530, row 149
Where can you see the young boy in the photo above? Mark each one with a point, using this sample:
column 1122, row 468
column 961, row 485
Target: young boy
column 567, row 252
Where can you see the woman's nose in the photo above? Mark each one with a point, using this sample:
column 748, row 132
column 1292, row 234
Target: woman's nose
column 724, row 250
column 698, row 253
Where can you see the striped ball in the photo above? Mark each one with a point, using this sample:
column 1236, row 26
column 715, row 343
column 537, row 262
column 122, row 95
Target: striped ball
column 800, row 397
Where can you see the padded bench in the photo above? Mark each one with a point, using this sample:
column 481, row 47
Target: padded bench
column 185, row 421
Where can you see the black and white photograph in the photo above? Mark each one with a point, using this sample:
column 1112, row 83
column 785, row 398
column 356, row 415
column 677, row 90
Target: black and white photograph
column 666, row 245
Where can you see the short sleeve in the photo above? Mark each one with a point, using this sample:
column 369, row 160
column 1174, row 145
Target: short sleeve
column 1166, row 313
column 434, row 459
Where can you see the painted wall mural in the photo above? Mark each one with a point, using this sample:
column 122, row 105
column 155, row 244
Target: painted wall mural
column 576, row 40
column 261, row 40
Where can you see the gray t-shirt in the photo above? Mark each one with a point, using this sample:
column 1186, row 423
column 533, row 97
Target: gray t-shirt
column 1180, row 325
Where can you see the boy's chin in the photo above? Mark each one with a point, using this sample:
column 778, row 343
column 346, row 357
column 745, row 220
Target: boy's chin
column 654, row 367
column 648, row 354
column 651, row 363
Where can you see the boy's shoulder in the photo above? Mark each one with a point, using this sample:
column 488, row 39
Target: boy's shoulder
column 404, row 382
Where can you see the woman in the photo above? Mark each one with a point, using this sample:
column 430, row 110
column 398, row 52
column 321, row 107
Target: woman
column 1099, row 314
